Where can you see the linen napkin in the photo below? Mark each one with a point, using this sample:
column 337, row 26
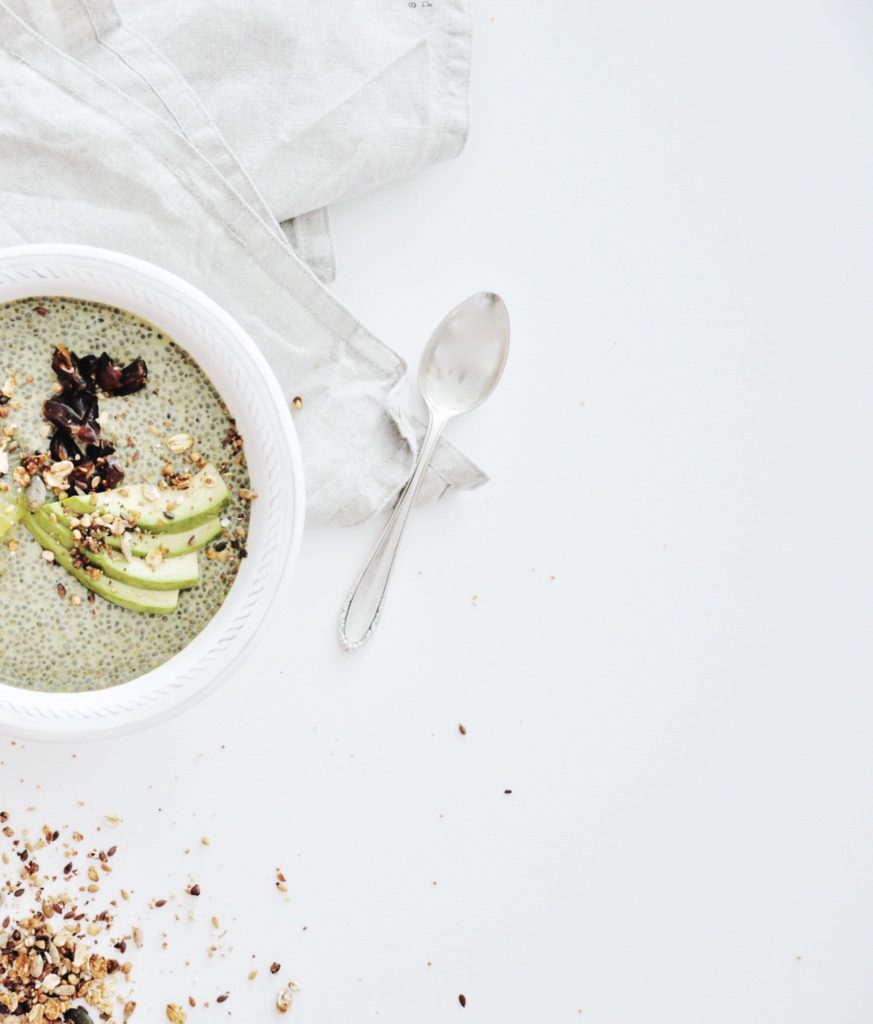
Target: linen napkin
column 349, row 96
column 103, row 141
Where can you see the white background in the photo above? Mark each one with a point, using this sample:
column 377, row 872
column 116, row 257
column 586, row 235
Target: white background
column 655, row 622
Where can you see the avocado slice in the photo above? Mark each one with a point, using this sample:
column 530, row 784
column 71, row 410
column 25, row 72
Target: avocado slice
column 175, row 574
column 10, row 514
column 158, row 602
column 204, row 498
column 172, row 545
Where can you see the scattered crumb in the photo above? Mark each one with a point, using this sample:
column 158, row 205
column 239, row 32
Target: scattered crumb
column 37, row 916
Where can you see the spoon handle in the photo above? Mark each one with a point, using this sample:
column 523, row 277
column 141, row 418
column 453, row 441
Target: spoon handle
column 363, row 607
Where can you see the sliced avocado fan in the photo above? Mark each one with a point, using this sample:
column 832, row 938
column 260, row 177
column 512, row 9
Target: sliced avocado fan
column 173, row 522
column 138, row 599
column 172, row 574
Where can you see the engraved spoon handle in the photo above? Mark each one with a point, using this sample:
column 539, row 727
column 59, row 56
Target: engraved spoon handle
column 362, row 609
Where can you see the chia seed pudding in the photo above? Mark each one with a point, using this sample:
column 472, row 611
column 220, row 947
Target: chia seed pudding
column 60, row 635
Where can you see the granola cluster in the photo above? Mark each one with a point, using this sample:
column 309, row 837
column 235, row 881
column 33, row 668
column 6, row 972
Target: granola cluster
column 63, row 955
column 51, row 968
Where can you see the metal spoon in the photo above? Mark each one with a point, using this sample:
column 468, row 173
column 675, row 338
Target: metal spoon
column 460, row 367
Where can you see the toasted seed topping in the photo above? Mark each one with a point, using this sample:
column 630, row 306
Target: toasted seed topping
column 180, row 443
column 154, row 558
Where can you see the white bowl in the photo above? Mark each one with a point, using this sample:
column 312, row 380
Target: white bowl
column 231, row 360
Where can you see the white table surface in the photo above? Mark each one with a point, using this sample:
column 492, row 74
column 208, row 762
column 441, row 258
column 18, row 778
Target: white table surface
column 654, row 622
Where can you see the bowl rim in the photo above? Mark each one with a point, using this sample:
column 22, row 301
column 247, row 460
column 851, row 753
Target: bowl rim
column 153, row 697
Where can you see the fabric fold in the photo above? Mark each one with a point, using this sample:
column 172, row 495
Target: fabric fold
column 322, row 102
column 117, row 152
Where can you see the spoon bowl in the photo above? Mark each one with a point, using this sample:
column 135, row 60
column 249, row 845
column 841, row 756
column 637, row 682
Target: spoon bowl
column 465, row 356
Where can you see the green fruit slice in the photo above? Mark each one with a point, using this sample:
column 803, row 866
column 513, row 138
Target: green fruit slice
column 10, row 514
column 137, row 599
column 168, row 511
column 173, row 574
column 172, row 545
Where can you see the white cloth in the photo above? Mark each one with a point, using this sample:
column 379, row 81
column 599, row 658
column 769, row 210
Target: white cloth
column 103, row 141
column 349, row 95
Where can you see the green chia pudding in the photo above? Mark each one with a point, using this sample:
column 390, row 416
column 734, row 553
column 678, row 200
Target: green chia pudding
column 173, row 462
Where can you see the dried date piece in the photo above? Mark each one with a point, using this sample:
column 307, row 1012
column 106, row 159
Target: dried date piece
column 80, row 479
column 63, row 448
column 117, row 380
column 67, row 369
column 75, row 412
column 88, row 368
column 110, row 471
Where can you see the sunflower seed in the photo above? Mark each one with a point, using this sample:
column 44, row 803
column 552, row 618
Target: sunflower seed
column 154, row 558
column 35, row 494
column 126, row 549
column 179, row 443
